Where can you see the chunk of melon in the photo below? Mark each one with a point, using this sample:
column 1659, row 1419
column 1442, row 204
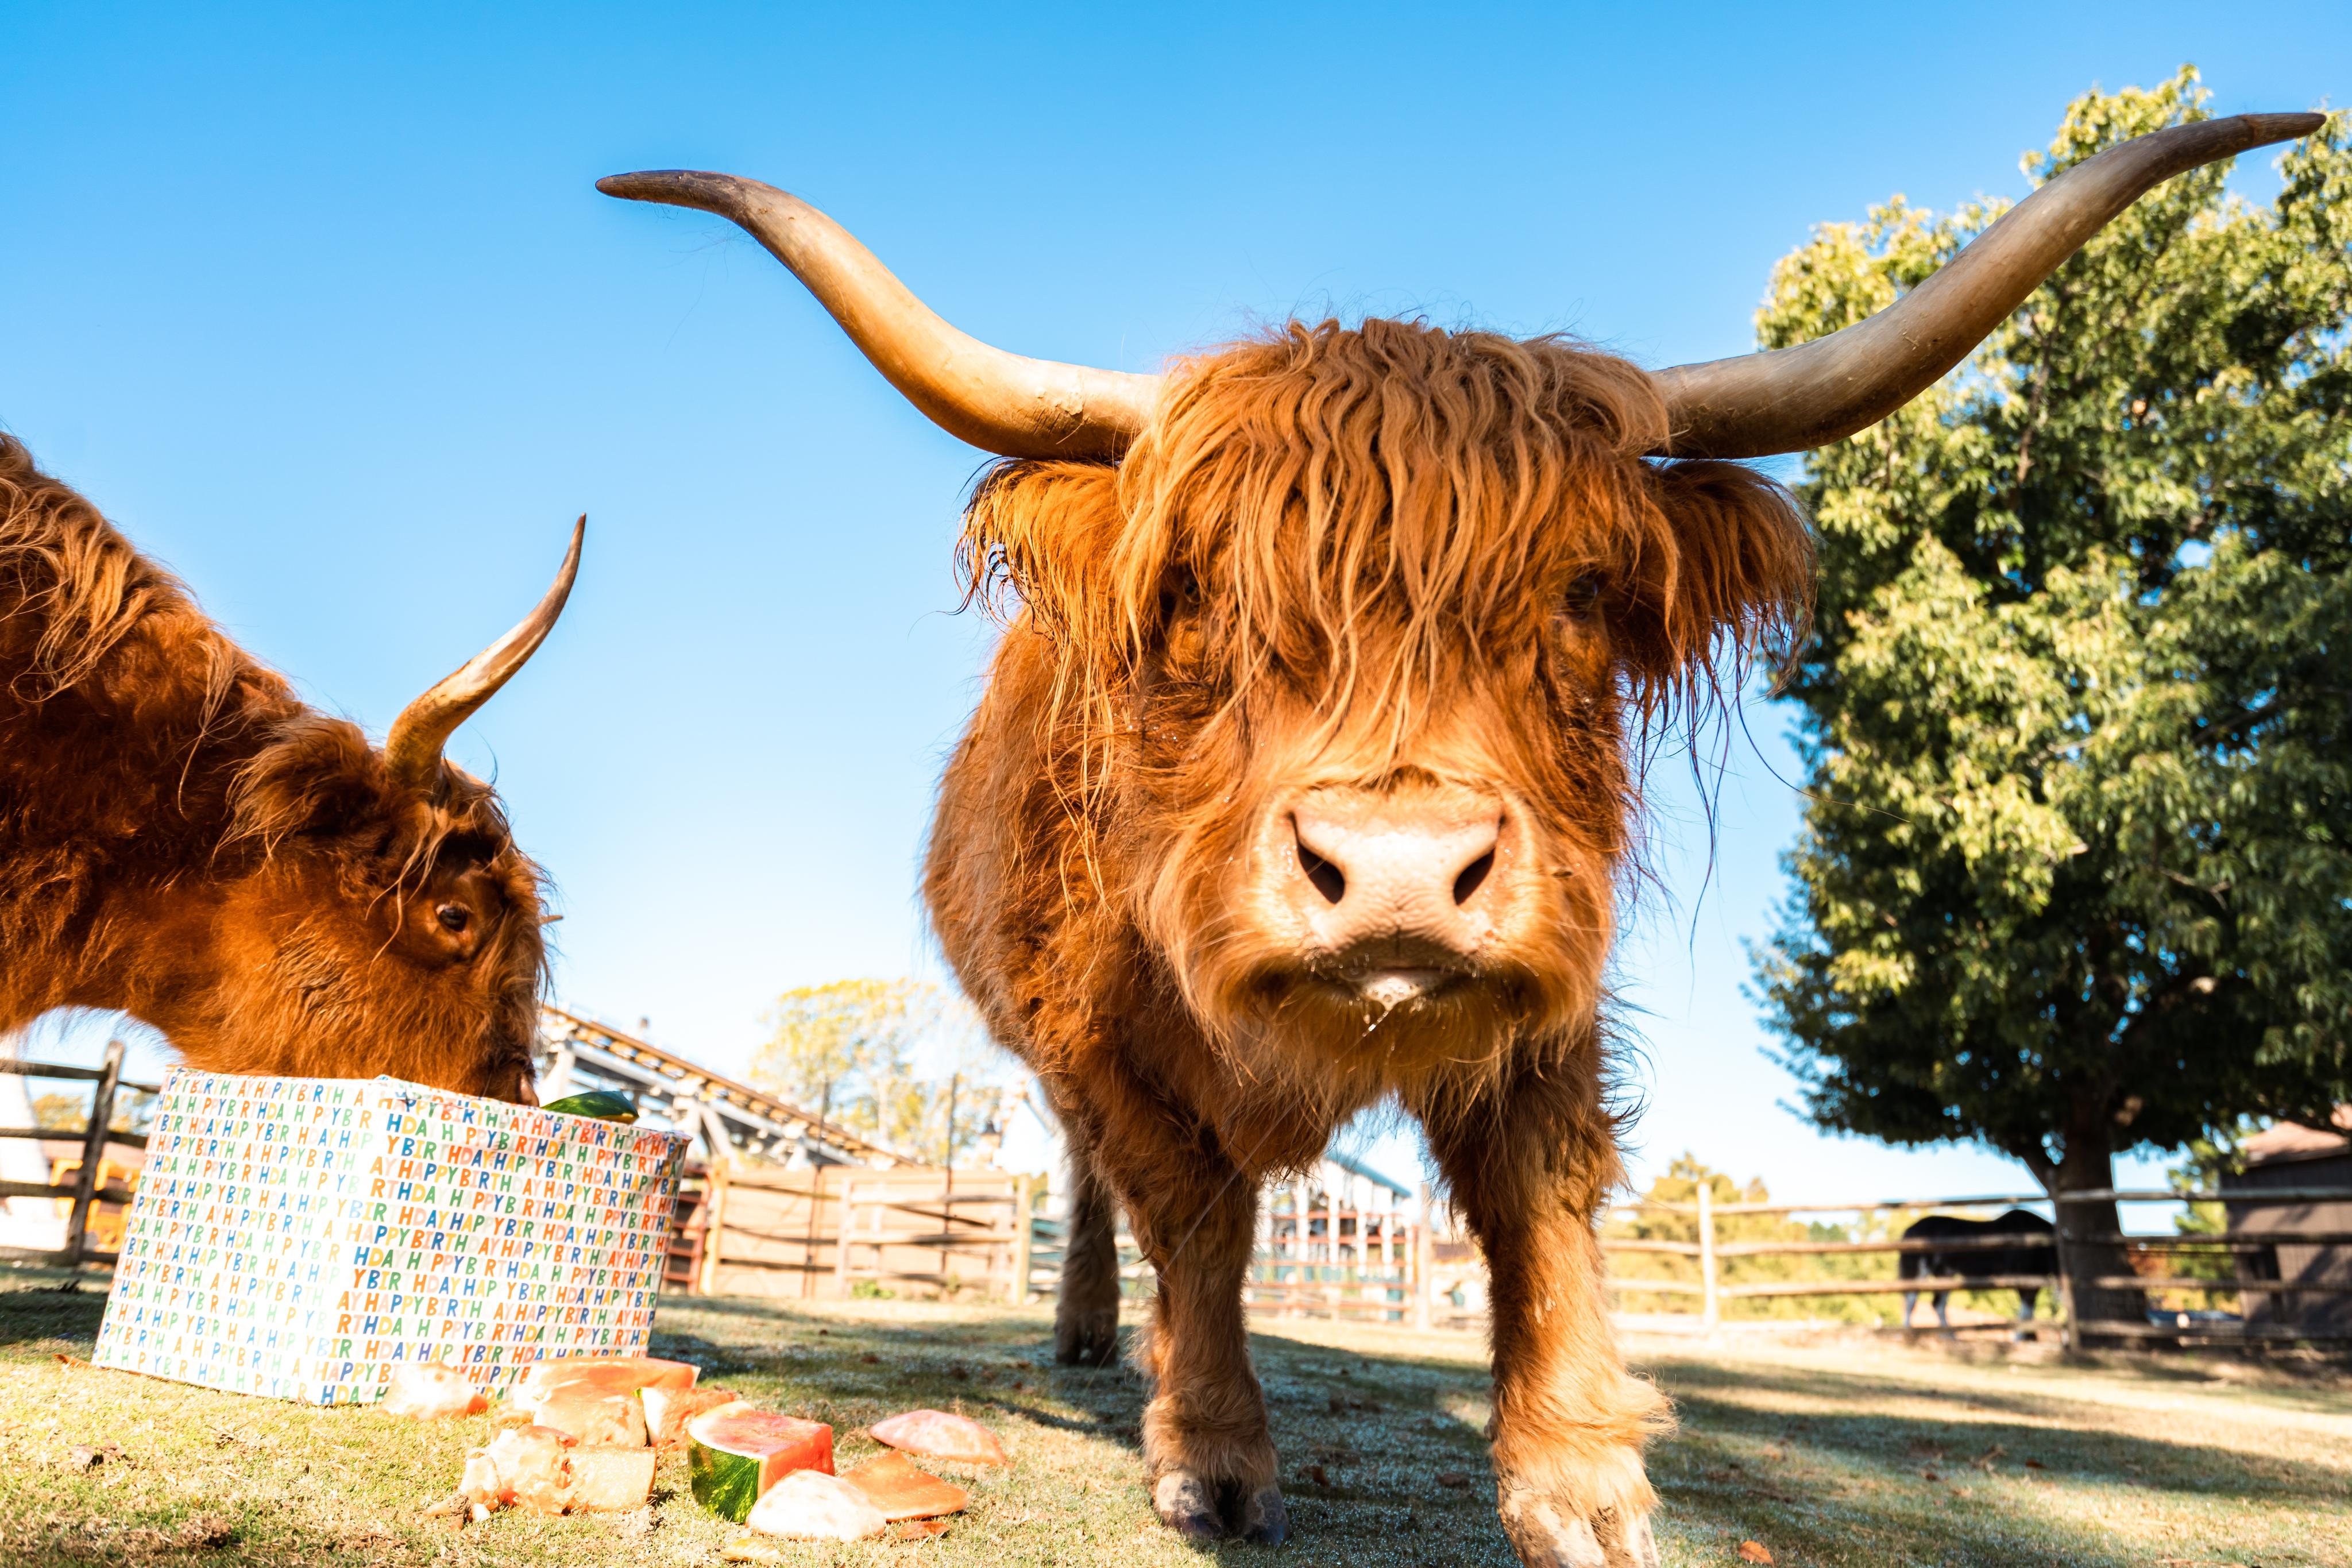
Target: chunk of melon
column 734, row 1455
column 812, row 1506
column 588, row 1413
column 667, row 1410
column 902, row 1489
column 941, row 1435
column 607, row 1480
column 613, row 1373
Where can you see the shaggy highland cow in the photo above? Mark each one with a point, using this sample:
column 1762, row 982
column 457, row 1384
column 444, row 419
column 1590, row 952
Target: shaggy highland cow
column 1305, row 777
column 183, row 838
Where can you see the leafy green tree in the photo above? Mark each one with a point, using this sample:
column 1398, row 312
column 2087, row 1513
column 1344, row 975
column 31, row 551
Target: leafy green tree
column 897, row 1062
column 2077, row 872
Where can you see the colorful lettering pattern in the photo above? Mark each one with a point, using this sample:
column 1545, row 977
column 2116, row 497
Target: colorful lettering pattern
column 299, row 1236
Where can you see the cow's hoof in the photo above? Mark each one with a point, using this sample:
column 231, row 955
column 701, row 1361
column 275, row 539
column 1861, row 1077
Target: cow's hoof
column 1264, row 1521
column 1186, row 1504
column 1548, row 1537
column 1089, row 1339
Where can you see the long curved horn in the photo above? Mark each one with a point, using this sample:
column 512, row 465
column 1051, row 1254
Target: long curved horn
column 412, row 751
column 1790, row 400
column 1001, row 402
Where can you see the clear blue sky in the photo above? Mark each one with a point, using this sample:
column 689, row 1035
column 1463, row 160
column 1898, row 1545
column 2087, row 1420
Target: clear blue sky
column 320, row 305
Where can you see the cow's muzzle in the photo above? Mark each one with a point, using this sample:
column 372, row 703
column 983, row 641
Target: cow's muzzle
column 1396, row 889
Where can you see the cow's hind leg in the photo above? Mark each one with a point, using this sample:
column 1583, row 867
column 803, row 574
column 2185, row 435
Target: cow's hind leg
column 1528, row 1168
column 1943, row 1310
column 1086, row 1313
column 1207, row 1454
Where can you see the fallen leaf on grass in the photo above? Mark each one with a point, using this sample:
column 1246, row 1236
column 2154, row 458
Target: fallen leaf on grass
column 1754, row 1552
column 918, row 1528
column 1929, row 1475
column 2035, row 1465
column 63, row 1360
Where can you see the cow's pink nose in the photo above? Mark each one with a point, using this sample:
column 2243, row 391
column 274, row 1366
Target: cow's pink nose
column 1389, row 884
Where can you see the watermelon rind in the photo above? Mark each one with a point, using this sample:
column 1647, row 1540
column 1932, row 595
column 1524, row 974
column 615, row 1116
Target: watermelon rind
column 723, row 1481
column 601, row 1104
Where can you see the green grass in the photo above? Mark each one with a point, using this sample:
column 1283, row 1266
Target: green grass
column 1833, row 1452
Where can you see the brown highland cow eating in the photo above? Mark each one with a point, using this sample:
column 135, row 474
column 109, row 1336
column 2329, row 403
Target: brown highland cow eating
column 1305, row 777
column 183, row 840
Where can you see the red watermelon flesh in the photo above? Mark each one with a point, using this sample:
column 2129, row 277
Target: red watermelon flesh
column 609, row 1374
column 902, row 1490
column 941, row 1435
column 735, row 1454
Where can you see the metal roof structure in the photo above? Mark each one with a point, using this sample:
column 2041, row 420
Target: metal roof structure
column 577, row 1052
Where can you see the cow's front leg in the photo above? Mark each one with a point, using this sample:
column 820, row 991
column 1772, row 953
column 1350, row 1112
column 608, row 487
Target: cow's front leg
column 1207, row 1454
column 1528, row 1168
column 1086, row 1310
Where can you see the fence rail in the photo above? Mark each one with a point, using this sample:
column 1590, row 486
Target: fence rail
column 87, row 1190
column 1710, row 1250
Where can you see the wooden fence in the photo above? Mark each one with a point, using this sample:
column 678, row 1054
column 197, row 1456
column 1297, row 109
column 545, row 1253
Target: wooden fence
column 86, row 1191
column 837, row 1230
column 1709, row 1250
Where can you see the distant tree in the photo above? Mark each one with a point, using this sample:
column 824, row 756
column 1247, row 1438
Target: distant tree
column 898, row 1062
column 57, row 1112
column 2077, row 872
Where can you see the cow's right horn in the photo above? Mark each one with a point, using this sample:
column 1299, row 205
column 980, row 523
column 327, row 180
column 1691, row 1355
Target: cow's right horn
column 412, row 751
column 1001, row 402
column 1794, row 399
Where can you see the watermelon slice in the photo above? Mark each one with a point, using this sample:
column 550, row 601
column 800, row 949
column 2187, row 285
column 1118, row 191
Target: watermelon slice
column 808, row 1505
column 611, row 1373
column 589, row 1414
column 901, row 1489
column 736, row 1453
column 601, row 1103
column 667, row 1410
column 941, row 1435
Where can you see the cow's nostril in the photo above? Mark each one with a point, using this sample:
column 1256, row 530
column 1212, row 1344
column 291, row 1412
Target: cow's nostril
column 1466, row 884
column 1327, row 878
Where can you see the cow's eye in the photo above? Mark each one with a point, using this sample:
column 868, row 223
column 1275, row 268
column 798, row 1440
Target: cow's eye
column 452, row 917
column 1582, row 599
column 1180, row 591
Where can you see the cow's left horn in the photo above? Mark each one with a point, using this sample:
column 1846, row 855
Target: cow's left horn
column 1790, row 400
column 412, row 751
column 1001, row 402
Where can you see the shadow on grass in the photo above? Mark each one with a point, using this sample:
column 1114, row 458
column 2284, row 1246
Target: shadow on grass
column 1977, row 1426
column 1381, row 1456
column 48, row 1304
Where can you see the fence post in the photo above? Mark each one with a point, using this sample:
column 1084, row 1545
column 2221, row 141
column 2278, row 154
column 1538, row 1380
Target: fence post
column 93, row 1155
column 1021, row 1241
column 714, row 1222
column 2069, row 1341
column 841, row 1240
column 1709, row 1310
column 1422, row 1253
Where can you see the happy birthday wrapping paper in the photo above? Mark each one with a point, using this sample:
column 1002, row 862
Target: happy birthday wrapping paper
column 299, row 1237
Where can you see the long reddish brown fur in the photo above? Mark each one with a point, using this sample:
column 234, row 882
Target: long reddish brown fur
column 1340, row 556
column 183, row 840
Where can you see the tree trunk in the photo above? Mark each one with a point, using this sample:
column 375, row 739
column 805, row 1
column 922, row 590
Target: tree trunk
column 2088, row 1165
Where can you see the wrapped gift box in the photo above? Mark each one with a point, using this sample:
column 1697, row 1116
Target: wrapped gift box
column 299, row 1237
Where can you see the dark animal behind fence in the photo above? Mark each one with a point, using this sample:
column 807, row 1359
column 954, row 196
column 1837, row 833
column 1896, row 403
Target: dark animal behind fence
column 2036, row 1253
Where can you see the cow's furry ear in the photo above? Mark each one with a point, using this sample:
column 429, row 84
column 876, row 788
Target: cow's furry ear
column 317, row 776
column 1724, row 574
column 1046, row 535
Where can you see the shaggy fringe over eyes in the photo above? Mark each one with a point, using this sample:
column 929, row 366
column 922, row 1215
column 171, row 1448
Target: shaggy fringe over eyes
column 1454, row 481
